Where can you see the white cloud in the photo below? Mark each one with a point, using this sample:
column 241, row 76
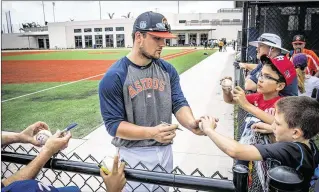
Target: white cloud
column 31, row 11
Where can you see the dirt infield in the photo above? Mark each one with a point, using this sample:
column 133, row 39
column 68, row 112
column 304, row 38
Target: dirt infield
column 52, row 70
column 24, row 53
column 33, row 71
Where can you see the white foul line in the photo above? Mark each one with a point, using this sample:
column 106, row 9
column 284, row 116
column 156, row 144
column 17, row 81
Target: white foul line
column 51, row 88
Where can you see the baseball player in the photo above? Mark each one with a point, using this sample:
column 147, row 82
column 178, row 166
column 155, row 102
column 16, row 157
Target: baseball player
column 140, row 91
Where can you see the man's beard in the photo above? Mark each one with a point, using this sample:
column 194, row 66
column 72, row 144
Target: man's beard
column 146, row 54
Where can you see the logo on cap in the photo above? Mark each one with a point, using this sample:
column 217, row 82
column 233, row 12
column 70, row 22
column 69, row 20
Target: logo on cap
column 164, row 20
column 287, row 73
column 298, row 38
column 143, row 24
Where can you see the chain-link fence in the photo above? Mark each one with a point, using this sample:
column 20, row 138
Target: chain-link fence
column 84, row 173
column 286, row 19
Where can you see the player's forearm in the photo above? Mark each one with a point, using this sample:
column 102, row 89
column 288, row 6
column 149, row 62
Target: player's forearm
column 130, row 131
column 31, row 170
column 7, row 139
column 260, row 114
column 185, row 117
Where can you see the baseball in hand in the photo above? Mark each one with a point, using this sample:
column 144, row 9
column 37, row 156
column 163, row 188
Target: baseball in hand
column 43, row 136
column 227, row 83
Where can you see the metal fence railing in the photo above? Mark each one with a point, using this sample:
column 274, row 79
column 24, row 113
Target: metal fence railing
column 72, row 170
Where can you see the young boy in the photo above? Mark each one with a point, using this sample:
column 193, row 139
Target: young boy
column 276, row 73
column 296, row 122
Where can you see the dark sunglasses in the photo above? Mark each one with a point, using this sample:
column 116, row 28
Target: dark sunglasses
column 159, row 27
column 265, row 40
column 298, row 43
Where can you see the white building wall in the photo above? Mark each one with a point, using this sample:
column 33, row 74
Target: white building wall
column 226, row 31
column 57, row 36
column 70, row 26
column 15, row 41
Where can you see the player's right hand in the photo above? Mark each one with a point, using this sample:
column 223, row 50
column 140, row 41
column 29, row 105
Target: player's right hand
column 164, row 133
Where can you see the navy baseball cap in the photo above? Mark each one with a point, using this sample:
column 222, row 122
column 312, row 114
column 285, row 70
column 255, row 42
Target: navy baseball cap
column 299, row 39
column 154, row 24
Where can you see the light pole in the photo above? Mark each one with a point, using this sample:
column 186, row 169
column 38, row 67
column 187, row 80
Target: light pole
column 100, row 10
column 43, row 12
column 53, row 3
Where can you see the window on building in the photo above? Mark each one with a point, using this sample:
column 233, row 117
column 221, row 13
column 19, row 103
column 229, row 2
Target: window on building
column 194, row 21
column 78, row 41
column 182, row 21
column 77, row 30
column 97, row 29
column 98, row 41
column 88, row 41
column 205, row 21
column 120, row 41
column 119, row 29
column 108, row 28
column 87, row 30
column 109, row 41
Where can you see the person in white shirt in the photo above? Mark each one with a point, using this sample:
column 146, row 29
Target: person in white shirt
column 306, row 83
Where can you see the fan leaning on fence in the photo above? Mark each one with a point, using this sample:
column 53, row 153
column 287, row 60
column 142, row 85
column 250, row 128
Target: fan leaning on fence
column 296, row 122
column 24, row 179
column 275, row 75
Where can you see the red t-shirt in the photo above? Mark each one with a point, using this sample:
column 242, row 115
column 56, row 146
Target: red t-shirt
column 257, row 99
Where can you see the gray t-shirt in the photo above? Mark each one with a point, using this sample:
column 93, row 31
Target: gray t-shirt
column 143, row 96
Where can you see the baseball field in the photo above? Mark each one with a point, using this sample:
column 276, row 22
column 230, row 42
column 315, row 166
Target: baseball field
column 61, row 87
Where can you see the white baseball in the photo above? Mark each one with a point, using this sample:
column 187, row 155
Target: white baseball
column 227, row 83
column 43, row 136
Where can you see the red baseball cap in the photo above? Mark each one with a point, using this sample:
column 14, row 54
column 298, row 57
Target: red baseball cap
column 284, row 66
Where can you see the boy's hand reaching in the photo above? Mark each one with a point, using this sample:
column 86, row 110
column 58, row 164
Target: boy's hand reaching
column 239, row 97
column 208, row 123
column 262, row 128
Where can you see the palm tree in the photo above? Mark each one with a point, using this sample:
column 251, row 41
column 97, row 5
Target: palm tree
column 111, row 15
column 128, row 15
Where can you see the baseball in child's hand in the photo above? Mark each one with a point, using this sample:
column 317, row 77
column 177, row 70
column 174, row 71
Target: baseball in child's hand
column 227, row 84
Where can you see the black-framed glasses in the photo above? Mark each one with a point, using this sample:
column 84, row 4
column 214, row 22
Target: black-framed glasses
column 267, row 77
column 265, row 40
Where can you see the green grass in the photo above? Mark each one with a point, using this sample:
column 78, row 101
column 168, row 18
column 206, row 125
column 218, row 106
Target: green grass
column 80, row 55
column 185, row 62
column 58, row 107
column 61, row 106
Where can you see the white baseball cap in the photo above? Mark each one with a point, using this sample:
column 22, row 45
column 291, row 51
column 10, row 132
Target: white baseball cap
column 269, row 39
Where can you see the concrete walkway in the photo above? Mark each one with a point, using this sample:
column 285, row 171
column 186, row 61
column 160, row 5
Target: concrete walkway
column 201, row 88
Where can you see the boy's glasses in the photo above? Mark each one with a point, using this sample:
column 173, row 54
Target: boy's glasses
column 267, row 77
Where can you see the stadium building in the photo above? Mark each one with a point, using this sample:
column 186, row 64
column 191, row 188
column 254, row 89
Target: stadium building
column 192, row 29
